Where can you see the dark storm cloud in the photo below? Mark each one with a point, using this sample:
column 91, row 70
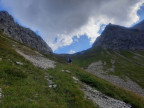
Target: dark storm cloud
column 67, row 18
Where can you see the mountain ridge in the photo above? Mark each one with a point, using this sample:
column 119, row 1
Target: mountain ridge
column 21, row 34
column 139, row 26
column 118, row 37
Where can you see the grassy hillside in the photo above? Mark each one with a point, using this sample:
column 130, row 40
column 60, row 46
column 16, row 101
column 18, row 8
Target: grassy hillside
column 127, row 63
column 25, row 86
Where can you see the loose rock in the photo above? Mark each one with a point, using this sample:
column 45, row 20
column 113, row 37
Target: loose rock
column 38, row 60
column 97, row 69
column 19, row 63
column 67, row 71
column 76, row 80
column 50, row 86
column 101, row 99
column 0, row 94
column 54, row 86
column 50, row 82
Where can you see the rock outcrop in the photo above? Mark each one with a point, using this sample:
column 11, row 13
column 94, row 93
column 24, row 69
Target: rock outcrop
column 21, row 34
column 117, row 37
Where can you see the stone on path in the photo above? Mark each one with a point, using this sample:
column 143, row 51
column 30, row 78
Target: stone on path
column 0, row 93
column 50, row 82
column 67, row 71
column 19, row 63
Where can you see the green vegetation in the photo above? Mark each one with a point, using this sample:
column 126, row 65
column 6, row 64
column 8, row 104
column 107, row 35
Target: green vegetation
column 89, row 56
column 98, row 83
column 111, row 90
column 126, row 63
column 129, row 67
column 25, row 86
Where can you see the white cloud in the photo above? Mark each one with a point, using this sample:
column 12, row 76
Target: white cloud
column 64, row 19
column 72, row 52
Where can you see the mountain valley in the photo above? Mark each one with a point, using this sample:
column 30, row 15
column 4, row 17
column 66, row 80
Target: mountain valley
column 108, row 75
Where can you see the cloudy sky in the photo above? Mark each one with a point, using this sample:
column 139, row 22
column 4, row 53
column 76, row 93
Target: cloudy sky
column 69, row 26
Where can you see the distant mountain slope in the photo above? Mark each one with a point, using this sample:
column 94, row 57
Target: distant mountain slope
column 117, row 37
column 139, row 26
column 19, row 33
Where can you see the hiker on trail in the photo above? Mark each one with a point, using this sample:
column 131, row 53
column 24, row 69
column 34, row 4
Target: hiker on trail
column 69, row 60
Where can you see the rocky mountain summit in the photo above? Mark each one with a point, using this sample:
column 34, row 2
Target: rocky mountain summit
column 117, row 37
column 139, row 26
column 24, row 35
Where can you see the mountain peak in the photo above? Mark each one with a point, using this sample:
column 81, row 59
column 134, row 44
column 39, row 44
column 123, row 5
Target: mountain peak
column 117, row 37
column 5, row 16
column 19, row 33
column 112, row 27
column 139, row 26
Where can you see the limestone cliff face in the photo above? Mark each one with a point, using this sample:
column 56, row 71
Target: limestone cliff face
column 24, row 35
column 117, row 37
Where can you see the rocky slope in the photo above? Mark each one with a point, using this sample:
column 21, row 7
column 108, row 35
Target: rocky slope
column 139, row 26
column 19, row 33
column 97, row 68
column 117, row 37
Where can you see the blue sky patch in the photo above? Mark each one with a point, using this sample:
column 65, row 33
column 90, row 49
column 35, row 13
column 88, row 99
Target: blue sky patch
column 140, row 13
column 79, row 44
